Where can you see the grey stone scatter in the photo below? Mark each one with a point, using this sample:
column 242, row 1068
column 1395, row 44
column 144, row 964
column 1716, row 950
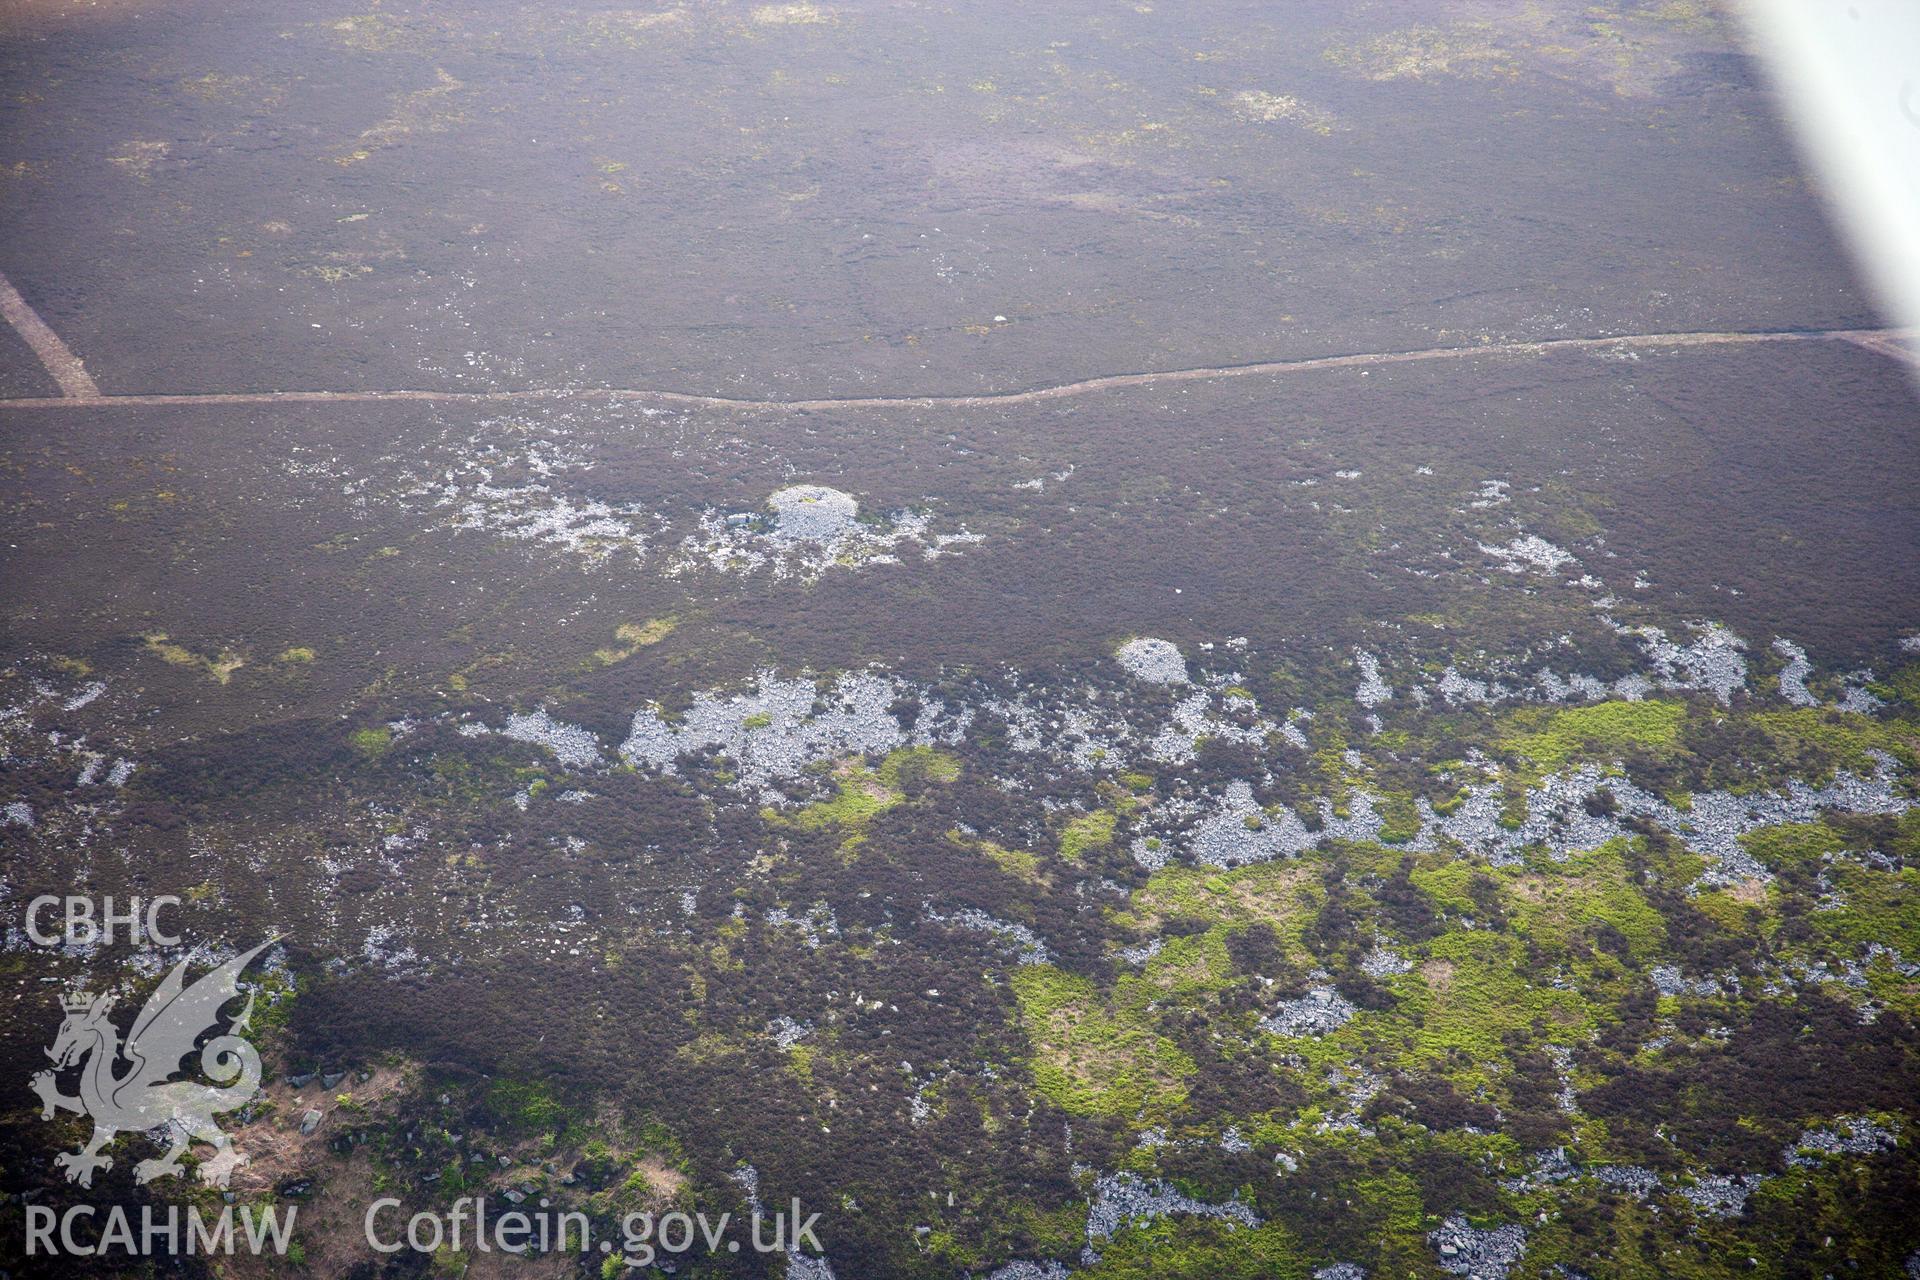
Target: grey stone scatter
column 1577, row 685
column 1358, row 1086
column 1240, row 832
column 589, row 529
column 1341, row 1271
column 1479, row 1255
column 1528, row 552
column 1384, row 962
column 1846, row 1136
column 18, row 813
column 1632, row 688
column 1630, row 1178
column 1562, row 1057
column 801, row 1266
column 1851, row 974
column 121, row 771
column 1085, row 734
column 1032, row 949
column 1721, row 1195
column 1857, row 698
column 747, row 1178
column 1458, row 690
column 506, row 480
column 1193, row 718
column 1712, row 662
column 811, row 529
column 1896, row 960
column 786, row 1032
column 813, row 513
column 1668, row 981
column 84, row 696
column 818, row 924
column 1712, row 825
column 771, row 730
column 1151, row 852
column 385, row 947
column 1153, row 661
column 1544, row 1168
column 1793, row 676
column 1372, row 690
column 1121, row 1199
column 1320, row 1011
column 570, row 744
column 1022, row 1270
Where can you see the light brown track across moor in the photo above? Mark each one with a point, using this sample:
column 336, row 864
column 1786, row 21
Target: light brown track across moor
column 1880, row 341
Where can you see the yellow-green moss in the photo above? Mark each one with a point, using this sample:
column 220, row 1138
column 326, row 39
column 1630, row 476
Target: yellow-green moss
column 1553, row 739
column 1086, row 833
column 371, row 743
column 1092, row 1058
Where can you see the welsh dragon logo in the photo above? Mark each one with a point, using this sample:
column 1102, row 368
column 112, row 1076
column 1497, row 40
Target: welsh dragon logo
column 143, row 1098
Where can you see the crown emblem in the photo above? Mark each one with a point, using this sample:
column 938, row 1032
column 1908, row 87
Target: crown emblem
column 76, row 1002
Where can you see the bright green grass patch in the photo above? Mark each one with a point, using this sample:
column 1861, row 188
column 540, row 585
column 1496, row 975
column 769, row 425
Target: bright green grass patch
column 1880, row 906
column 1400, row 818
column 525, row 1106
column 1092, row 1059
column 1791, row 843
column 861, row 793
column 1446, row 883
column 1086, row 833
column 1814, row 740
column 1553, row 739
column 859, row 796
column 1284, row 895
column 1200, row 1247
column 1186, row 966
column 1902, row 686
column 1475, row 992
column 1017, row 863
column 924, row 762
column 219, row 668
column 371, row 743
column 1748, row 909
column 633, row 637
column 1560, row 902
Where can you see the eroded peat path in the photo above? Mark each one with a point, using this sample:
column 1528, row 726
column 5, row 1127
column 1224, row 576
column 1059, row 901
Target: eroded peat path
column 80, row 392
